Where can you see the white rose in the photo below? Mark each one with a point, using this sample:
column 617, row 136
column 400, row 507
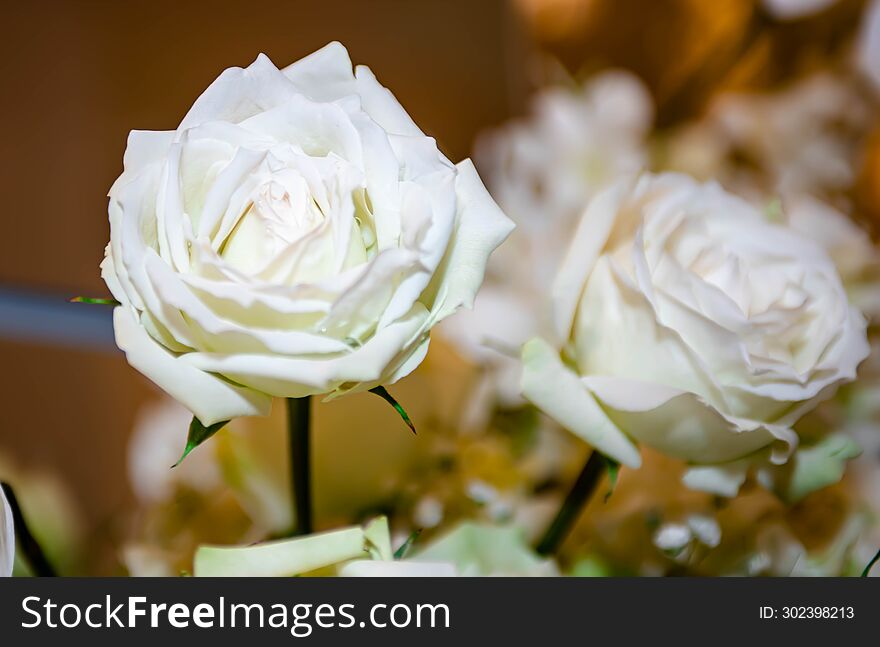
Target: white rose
column 803, row 138
column 688, row 322
column 297, row 234
column 7, row 537
column 796, row 9
column 867, row 51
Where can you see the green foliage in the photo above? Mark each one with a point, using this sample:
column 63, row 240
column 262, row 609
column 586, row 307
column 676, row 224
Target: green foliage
column 199, row 433
column 95, row 301
column 382, row 392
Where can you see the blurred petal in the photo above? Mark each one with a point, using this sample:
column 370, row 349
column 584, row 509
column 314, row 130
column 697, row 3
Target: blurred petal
column 723, row 480
column 479, row 550
column 281, row 558
column 380, row 568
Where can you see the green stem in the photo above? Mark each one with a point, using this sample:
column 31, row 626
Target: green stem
column 34, row 554
column 577, row 498
column 871, row 564
column 299, row 433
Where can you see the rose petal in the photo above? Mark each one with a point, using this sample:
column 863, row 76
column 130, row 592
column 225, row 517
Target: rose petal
column 559, row 393
column 482, row 227
column 210, row 398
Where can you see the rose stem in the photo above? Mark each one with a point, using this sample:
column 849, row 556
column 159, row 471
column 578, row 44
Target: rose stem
column 298, row 429
column 33, row 553
column 575, row 501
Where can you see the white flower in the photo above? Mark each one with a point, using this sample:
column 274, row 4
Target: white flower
column 794, row 9
column 868, row 45
column 7, row 537
column 542, row 171
column 803, row 138
column 297, row 234
column 686, row 321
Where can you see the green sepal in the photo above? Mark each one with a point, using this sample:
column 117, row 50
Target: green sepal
column 613, row 468
column 198, row 433
column 401, row 552
column 95, row 301
column 382, row 392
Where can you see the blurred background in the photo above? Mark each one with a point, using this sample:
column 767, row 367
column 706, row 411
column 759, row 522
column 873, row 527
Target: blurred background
column 78, row 75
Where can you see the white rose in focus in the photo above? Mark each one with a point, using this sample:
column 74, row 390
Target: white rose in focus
column 296, row 235
column 7, row 537
column 686, row 321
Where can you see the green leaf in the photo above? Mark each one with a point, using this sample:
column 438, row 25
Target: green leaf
column 199, row 433
column 613, row 468
column 95, row 301
column 383, row 393
column 405, row 546
column 817, row 466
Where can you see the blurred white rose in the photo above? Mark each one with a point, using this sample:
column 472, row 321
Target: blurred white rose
column 155, row 445
column 7, row 537
column 868, row 45
column 297, row 234
column 542, row 170
column 801, row 139
column 794, row 9
column 404, row 568
column 686, row 321
column 682, row 540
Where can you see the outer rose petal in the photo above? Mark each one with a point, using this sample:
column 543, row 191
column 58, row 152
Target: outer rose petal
column 240, row 93
column 323, row 75
column 676, row 422
column 482, row 227
column 296, row 377
column 559, row 393
column 145, row 147
column 326, row 75
column 280, row 558
column 589, row 239
column 210, row 398
column 7, row 537
column 868, row 48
